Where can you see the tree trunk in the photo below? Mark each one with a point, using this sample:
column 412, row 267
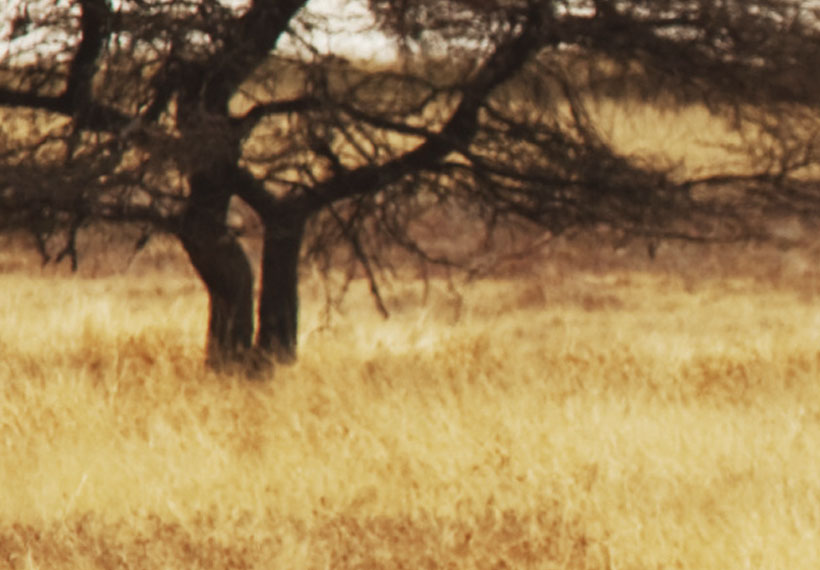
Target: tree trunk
column 223, row 266
column 279, row 295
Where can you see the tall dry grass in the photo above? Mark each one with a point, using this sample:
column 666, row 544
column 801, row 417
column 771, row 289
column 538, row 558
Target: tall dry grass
column 595, row 414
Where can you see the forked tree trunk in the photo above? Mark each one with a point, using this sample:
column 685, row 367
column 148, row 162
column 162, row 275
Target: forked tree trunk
column 279, row 295
column 224, row 269
column 223, row 266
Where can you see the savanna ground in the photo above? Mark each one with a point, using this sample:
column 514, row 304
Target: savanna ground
column 588, row 409
column 599, row 412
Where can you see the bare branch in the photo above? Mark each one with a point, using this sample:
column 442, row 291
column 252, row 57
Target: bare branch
column 459, row 130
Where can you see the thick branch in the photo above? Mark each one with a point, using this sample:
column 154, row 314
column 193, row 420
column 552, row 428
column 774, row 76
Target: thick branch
column 501, row 65
column 248, row 43
column 258, row 112
column 14, row 98
column 78, row 92
column 77, row 99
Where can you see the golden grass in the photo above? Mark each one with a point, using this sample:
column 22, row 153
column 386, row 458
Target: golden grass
column 617, row 418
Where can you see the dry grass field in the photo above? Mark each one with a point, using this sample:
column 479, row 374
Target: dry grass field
column 598, row 411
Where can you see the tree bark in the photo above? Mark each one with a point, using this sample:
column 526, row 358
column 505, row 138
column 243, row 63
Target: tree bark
column 279, row 294
column 223, row 267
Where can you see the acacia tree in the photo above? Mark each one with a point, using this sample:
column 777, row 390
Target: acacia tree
column 160, row 112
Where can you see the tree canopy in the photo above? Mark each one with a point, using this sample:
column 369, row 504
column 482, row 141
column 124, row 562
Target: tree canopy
column 160, row 112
